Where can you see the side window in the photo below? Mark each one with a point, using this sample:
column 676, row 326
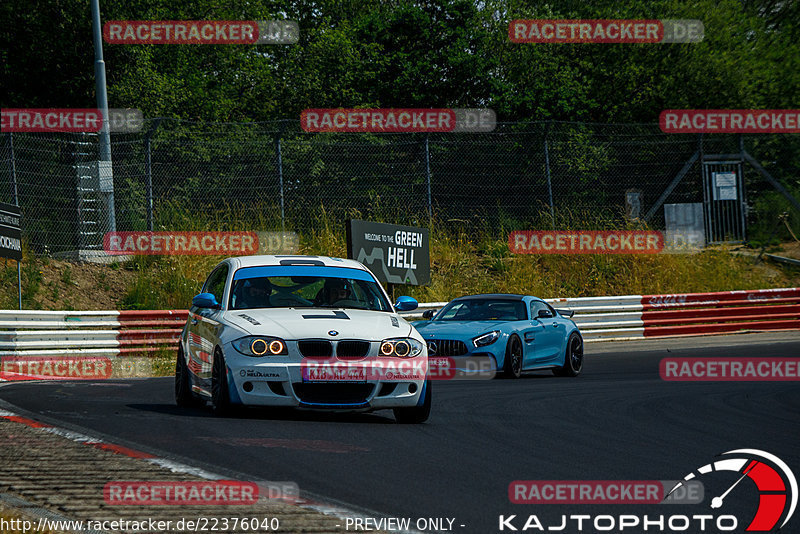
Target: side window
column 215, row 284
column 537, row 305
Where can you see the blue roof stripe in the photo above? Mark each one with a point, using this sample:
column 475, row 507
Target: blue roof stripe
column 302, row 270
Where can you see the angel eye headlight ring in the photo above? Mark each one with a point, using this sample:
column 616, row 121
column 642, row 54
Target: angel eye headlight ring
column 401, row 347
column 259, row 347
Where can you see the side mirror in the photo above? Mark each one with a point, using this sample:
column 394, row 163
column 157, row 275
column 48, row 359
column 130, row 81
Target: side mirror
column 566, row 313
column 428, row 314
column 406, row 304
column 205, row 300
column 544, row 314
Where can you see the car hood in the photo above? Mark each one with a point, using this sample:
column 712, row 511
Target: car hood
column 301, row 323
column 456, row 329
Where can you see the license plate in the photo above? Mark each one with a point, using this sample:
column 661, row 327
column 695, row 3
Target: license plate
column 323, row 373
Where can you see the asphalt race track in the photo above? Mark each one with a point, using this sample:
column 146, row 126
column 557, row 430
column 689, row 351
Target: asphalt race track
column 617, row 421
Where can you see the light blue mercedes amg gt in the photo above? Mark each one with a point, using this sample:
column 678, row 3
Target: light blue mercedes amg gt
column 521, row 333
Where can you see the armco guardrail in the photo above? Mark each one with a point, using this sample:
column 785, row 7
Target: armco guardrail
column 103, row 333
column 139, row 333
column 639, row 316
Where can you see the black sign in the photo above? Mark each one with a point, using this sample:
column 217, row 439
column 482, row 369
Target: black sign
column 395, row 254
column 10, row 235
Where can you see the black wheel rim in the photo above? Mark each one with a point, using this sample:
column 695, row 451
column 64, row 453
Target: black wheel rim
column 179, row 375
column 576, row 354
column 216, row 380
column 516, row 358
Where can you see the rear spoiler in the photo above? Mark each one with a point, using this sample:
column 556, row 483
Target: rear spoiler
column 566, row 313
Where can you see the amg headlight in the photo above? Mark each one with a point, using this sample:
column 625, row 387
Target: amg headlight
column 486, row 339
column 404, row 347
column 260, row 346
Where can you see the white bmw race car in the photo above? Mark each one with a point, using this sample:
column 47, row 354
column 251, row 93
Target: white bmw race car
column 303, row 331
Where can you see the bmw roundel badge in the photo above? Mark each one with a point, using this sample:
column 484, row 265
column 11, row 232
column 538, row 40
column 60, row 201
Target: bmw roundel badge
column 333, row 333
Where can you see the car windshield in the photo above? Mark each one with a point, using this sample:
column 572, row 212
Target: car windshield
column 306, row 287
column 483, row 310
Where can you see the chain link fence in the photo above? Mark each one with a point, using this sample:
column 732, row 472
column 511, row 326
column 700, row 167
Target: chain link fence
column 183, row 175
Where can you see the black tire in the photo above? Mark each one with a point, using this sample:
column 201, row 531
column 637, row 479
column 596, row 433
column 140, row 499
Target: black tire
column 512, row 363
column 220, row 396
column 183, row 388
column 416, row 414
column 573, row 359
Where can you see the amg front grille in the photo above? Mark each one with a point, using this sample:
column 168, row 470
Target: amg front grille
column 315, row 348
column 352, row 349
column 446, row 347
column 333, row 393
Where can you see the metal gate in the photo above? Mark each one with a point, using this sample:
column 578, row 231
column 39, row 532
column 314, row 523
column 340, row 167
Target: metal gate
column 724, row 199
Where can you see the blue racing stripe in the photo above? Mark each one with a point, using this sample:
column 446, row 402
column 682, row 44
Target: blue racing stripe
column 302, row 270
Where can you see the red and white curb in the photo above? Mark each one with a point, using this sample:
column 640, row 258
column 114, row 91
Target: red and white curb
column 315, row 503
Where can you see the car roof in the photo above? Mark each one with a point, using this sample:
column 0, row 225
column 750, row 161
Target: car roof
column 264, row 260
column 493, row 296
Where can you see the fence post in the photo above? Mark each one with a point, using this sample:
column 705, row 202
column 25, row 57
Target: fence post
column 148, row 170
column 15, row 198
column 13, row 167
column 105, row 169
column 428, row 177
column 280, row 174
column 549, row 182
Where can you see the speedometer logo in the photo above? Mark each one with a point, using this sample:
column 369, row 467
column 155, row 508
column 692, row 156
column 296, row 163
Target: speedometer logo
column 776, row 484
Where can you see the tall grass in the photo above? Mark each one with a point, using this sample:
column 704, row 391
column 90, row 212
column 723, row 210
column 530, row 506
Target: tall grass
column 465, row 259
column 31, row 276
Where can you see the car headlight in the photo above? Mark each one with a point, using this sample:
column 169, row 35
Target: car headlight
column 486, row 339
column 260, row 346
column 404, row 347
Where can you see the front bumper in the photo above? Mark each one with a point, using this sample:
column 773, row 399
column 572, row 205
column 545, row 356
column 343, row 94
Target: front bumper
column 496, row 352
column 278, row 381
